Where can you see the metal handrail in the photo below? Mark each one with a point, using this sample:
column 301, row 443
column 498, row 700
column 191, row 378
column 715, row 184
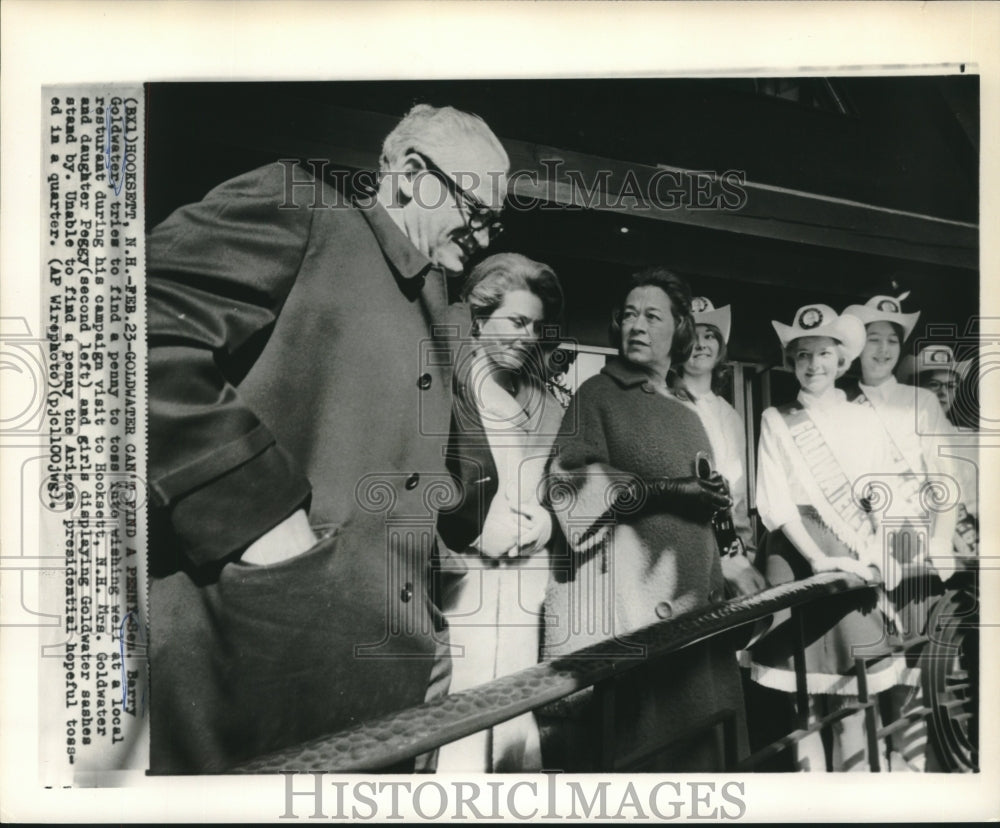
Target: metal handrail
column 393, row 738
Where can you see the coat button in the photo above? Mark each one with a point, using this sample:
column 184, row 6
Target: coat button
column 715, row 596
column 406, row 593
column 424, row 382
column 664, row 610
column 648, row 387
column 412, row 481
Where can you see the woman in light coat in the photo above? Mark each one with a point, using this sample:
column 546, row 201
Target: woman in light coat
column 503, row 425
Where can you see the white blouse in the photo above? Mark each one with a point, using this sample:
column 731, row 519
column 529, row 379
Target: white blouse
column 727, row 436
column 852, row 432
column 915, row 418
column 921, row 432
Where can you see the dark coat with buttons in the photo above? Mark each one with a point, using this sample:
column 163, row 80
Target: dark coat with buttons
column 639, row 570
column 300, row 353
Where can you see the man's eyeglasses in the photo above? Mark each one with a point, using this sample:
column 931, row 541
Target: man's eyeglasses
column 476, row 215
column 937, row 385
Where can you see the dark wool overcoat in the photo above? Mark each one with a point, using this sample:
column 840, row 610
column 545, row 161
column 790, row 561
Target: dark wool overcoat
column 616, row 576
column 300, row 355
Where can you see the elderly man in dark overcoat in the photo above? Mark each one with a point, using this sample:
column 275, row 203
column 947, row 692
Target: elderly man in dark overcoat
column 300, row 376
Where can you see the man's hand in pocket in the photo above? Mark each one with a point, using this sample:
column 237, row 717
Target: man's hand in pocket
column 293, row 536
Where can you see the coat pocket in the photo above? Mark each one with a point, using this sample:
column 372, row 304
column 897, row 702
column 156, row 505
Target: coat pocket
column 323, row 545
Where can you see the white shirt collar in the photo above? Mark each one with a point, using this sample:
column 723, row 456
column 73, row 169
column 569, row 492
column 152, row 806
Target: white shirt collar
column 881, row 391
column 830, row 398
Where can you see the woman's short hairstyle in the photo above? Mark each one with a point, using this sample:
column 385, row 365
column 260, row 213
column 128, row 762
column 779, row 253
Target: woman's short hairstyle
column 497, row 275
column 720, row 371
column 855, row 367
column 679, row 293
column 792, row 347
column 900, row 333
column 436, row 131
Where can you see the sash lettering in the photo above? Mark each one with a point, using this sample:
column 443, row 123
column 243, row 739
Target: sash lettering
column 827, row 472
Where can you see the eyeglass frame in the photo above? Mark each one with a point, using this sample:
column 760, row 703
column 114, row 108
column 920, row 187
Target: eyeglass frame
column 471, row 206
column 937, row 385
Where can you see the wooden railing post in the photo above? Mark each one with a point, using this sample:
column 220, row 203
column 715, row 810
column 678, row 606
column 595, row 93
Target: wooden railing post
column 799, row 662
column 607, row 747
column 868, row 705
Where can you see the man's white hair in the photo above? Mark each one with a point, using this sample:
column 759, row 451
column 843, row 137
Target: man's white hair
column 436, row 131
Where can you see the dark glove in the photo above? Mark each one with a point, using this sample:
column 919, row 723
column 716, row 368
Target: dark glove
column 690, row 497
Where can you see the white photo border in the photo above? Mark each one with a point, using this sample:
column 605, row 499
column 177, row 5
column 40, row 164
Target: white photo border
column 64, row 42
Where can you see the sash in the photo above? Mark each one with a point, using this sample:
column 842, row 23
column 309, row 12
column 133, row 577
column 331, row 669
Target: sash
column 828, row 486
column 908, row 481
column 965, row 540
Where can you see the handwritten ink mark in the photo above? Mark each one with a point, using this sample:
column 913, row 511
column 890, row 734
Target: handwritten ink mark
column 118, row 183
column 121, row 652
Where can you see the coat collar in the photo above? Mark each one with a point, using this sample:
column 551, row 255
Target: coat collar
column 406, row 260
column 624, row 372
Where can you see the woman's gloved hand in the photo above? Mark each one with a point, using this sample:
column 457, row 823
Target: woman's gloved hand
column 691, row 497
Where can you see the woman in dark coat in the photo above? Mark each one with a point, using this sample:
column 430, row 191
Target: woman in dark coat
column 639, row 546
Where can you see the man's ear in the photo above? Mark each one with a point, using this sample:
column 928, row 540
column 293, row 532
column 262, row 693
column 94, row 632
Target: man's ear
column 405, row 174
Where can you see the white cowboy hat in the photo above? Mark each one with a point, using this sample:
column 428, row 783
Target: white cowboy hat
column 822, row 320
column 885, row 309
column 932, row 358
column 705, row 313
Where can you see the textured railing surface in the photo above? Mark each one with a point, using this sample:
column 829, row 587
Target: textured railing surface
column 397, row 737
